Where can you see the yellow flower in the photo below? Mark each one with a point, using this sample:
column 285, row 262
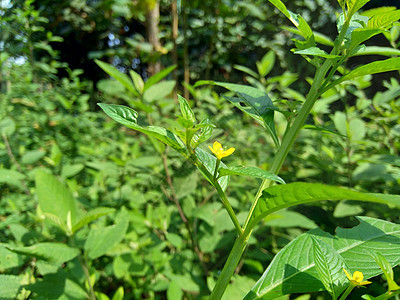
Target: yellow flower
column 357, row 278
column 219, row 152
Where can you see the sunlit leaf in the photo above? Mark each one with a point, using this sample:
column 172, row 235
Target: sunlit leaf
column 287, row 195
column 329, row 265
column 293, row 269
column 386, row 269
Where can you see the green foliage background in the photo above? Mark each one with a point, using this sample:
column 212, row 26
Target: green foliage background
column 127, row 238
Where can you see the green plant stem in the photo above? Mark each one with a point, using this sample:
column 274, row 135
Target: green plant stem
column 228, row 207
column 347, row 292
column 229, row 268
column 221, row 193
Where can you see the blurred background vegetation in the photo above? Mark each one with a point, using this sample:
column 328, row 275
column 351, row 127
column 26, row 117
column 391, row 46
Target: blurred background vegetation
column 178, row 235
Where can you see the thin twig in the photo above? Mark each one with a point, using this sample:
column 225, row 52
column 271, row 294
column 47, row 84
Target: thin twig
column 174, row 198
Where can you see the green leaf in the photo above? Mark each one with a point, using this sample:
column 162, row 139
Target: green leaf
column 91, row 216
column 102, row 239
column 355, row 5
column 390, row 64
column 319, row 37
column 253, row 102
column 287, row 219
column 279, row 5
column 315, row 51
column 71, row 170
column 159, row 90
column 128, row 117
column 7, row 126
column 119, row 294
column 293, row 269
column 376, row 50
column 137, row 81
column 9, row 286
column 246, row 70
column 202, row 135
column 186, row 111
column 11, row 177
column 31, row 157
column 174, row 291
column 54, row 253
column 208, row 161
column 359, row 35
column 329, row 265
column 287, row 195
column 57, row 286
column 251, row 172
column 266, row 64
column 386, row 269
column 118, row 75
column 383, row 9
column 54, row 198
column 384, row 20
column 296, row 19
column 157, row 77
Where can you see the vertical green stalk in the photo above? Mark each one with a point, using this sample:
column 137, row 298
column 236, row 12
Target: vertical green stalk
column 229, row 268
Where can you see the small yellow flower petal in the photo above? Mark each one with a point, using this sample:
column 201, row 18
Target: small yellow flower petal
column 219, row 152
column 357, row 278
